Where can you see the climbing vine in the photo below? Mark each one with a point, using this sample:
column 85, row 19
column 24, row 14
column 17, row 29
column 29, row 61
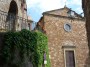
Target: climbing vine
column 24, row 46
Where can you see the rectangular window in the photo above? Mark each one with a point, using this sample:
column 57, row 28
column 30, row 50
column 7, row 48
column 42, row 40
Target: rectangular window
column 28, row 26
column 70, row 60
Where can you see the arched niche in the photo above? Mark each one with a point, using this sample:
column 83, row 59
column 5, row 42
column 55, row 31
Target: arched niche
column 11, row 18
column 13, row 9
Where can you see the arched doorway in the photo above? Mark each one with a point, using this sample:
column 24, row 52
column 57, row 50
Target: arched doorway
column 13, row 8
column 12, row 13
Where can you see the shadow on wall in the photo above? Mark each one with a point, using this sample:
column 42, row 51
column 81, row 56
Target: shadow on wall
column 88, row 37
column 86, row 9
column 1, row 42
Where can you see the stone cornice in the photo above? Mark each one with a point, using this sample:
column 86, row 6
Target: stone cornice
column 53, row 15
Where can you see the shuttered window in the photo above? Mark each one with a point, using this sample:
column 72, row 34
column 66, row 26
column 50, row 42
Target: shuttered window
column 70, row 60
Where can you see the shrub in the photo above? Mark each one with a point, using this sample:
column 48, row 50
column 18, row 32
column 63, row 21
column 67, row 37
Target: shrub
column 23, row 45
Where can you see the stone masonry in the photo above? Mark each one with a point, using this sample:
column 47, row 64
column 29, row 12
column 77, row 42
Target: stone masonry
column 59, row 38
column 5, row 5
column 17, row 8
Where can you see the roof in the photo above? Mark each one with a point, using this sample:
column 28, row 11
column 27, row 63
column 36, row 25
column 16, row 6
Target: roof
column 62, row 12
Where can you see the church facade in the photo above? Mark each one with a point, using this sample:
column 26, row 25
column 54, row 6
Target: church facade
column 67, row 38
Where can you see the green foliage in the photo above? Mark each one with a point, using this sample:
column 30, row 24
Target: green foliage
column 25, row 44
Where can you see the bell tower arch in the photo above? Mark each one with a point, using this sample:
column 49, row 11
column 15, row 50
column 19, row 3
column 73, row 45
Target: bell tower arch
column 13, row 8
column 12, row 13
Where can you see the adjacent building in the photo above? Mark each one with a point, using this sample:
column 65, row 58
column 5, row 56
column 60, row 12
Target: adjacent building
column 13, row 15
column 67, row 37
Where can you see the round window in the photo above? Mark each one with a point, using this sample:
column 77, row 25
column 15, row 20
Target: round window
column 67, row 27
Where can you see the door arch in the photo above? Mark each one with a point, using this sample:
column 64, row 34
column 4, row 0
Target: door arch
column 12, row 13
column 13, row 8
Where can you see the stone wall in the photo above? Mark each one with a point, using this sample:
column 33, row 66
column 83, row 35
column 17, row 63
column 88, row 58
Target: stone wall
column 21, row 11
column 5, row 5
column 58, row 37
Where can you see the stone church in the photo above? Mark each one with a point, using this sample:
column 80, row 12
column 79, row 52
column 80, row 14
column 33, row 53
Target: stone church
column 13, row 15
column 67, row 38
column 66, row 31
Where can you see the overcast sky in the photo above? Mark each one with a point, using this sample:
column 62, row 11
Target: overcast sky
column 37, row 7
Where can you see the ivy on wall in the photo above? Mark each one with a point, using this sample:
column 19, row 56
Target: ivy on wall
column 23, row 47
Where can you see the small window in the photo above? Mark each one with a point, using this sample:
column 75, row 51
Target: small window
column 70, row 60
column 71, row 13
column 28, row 26
column 67, row 27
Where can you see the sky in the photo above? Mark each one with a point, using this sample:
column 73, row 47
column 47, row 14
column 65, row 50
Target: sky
column 37, row 7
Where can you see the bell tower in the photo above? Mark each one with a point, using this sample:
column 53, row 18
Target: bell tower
column 14, row 13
